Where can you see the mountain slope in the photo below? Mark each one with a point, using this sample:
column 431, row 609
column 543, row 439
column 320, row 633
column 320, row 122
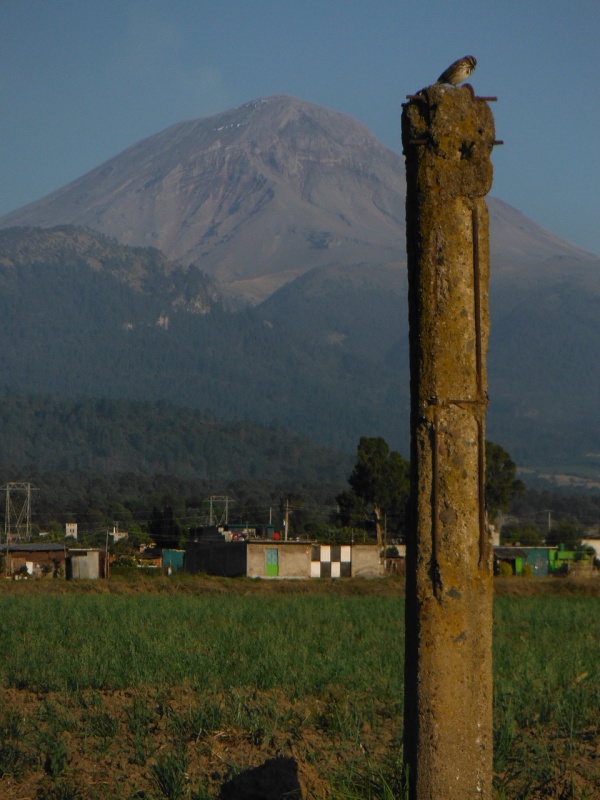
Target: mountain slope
column 76, row 327
column 143, row 273
column 258, row 195
column 253, row 197
column 299, row 210
column 543, row 371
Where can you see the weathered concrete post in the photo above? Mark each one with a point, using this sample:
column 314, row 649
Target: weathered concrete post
column 448, row 135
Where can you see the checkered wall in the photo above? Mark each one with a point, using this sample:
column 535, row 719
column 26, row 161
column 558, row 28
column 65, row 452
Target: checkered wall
column 331, row 561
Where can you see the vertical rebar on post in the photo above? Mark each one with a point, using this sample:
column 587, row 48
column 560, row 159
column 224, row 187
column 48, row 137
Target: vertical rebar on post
column 448, row 135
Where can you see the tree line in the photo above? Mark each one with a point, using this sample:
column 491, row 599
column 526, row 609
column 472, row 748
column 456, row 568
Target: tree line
column 168, row 509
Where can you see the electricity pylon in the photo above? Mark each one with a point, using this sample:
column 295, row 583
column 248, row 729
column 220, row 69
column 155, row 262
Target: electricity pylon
column 221, row 516
column 17, row 516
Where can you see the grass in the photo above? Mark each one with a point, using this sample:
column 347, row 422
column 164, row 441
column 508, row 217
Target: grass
column 115, row 642
column 546, row 675
column 174, row 692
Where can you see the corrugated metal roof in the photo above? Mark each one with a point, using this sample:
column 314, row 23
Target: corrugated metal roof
column 509, row 552
column 33, row 547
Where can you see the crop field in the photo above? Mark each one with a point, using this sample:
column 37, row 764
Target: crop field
column 167, row 689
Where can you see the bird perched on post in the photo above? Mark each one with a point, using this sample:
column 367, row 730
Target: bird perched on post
column 459, row 71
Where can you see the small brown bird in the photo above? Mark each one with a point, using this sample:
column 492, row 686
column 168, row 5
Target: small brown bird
column 459, row 71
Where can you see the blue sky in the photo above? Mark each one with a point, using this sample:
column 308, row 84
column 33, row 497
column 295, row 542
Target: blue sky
column 81, row 80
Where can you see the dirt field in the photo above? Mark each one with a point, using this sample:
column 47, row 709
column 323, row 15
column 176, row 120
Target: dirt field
column 183, row 742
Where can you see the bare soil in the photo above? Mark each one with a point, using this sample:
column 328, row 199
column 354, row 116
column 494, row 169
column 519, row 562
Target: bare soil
column 114, row 761
column 122, row 763
column 153, row 743
column 146, row 582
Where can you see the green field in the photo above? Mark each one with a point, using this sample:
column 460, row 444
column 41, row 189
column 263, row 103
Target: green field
column 152, row 694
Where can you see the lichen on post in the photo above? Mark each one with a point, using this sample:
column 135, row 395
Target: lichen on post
column 448, row 136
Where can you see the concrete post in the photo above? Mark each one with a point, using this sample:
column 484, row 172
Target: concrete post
column 448, row 135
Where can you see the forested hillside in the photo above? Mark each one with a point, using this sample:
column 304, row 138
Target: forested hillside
column 299, row 210
column 81, row 316
column 107, row 462
column 45, row 433
column 325, row 357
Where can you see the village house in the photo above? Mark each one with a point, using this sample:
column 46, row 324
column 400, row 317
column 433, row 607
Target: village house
column 33, row 559
column 274, row 558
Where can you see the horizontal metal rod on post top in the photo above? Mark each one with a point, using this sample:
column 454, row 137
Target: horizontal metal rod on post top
column 422, row 97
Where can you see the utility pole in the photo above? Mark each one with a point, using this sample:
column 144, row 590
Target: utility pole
column 448, row 135
column 286, row 519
